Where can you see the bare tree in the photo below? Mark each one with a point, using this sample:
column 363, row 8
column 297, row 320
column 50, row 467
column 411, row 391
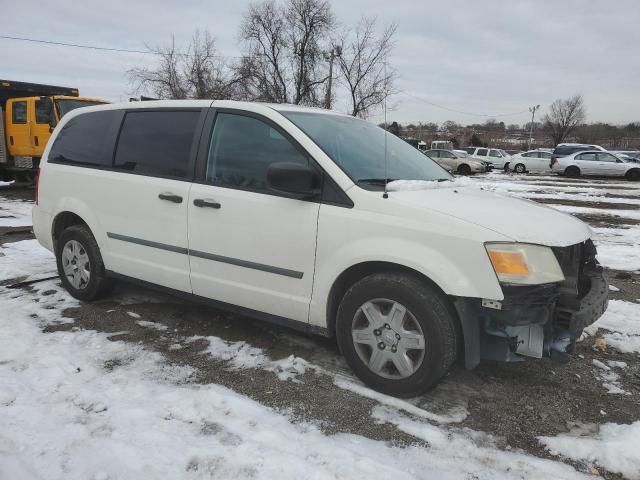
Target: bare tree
column 284, row 46
column 363, row 66
column 563, row 117
column 164, row 81
column 264, row 70
column 197, row 73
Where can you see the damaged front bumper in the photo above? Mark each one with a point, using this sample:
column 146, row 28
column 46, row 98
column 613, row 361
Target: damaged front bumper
column 536, row 320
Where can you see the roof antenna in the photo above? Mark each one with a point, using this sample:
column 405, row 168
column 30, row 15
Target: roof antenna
column 386, row 132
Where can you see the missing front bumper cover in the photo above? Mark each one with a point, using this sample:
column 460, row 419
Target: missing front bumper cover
column 534, row 321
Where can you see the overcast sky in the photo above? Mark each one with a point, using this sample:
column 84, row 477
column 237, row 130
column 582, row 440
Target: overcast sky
column 481, row 57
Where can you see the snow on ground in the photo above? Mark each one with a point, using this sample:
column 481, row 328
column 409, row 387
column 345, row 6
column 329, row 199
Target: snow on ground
column 612, row 446
column 15, row 213
column 76, row 405
column 26, row 258
column 621, row 323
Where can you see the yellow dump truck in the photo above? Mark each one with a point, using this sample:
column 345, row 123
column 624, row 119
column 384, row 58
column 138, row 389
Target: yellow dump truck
column 28, row 114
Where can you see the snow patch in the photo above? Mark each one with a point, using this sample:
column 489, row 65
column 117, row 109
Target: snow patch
column 15, row 213
column 474, row 453
column 408, row 185
column 612, row 446
column 154, row 325
column 457, row 415
column 621, row 321
column 26, row 259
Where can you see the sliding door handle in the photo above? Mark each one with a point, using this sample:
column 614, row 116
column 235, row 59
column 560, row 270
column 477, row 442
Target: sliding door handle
column 204, row 203
column 170, row 197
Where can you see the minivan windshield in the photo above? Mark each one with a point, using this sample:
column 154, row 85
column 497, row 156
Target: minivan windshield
column 358, row 148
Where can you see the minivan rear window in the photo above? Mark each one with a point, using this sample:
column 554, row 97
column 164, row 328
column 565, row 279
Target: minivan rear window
column 157, row 143
column 85, row 140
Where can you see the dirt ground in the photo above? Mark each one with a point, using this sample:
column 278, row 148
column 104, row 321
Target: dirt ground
column 515, row 403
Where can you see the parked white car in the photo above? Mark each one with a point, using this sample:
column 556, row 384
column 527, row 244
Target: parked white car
column 456, row 162
column 533, row 161
column 288, row 214
column 595, row 163
column 499, row 159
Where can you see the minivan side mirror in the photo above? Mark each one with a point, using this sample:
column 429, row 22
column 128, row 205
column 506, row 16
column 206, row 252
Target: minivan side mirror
column 297, row 181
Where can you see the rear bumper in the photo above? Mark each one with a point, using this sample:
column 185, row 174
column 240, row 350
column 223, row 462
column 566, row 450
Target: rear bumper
column 533, row 321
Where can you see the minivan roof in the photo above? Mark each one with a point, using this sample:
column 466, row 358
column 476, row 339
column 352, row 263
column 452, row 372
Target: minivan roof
column 251, row 106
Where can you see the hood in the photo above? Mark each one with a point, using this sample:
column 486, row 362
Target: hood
column 518, row 219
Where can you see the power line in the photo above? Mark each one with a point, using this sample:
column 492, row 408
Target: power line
column 109, row 49
column 461, row 111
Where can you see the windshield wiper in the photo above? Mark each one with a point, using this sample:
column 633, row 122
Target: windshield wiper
column 376, row 181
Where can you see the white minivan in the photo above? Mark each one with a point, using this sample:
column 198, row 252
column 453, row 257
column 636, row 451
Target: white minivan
column 317, row 221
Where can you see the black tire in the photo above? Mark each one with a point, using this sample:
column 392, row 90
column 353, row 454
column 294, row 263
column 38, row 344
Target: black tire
column 98, row 284
column 633, row 174
column 520, row 168
column 506, row 167
column 572, row 172
column 430, row 308
column 464, row 169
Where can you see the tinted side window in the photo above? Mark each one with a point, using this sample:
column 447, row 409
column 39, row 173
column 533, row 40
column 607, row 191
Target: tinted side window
column 157, row 143
column 241, row 150
column 544, row 155
column 482, row 152
column 494, row 153
column 43, row 111
column 19, row 112
column 86, row 140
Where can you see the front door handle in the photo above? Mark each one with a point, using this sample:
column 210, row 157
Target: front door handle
column 170, row 197
column 203, row 203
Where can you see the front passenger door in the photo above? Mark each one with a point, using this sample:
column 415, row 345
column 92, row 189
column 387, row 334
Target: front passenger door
column 248, row 244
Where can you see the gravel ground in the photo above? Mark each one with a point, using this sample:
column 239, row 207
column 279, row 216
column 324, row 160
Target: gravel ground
column 514, row 402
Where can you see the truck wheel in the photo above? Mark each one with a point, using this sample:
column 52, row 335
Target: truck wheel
column 464, row 169
column 572, row 172
column 80, row 264
column 397, row 334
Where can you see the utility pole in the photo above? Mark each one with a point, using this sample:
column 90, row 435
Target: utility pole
column 335, row 51
column 533, row 115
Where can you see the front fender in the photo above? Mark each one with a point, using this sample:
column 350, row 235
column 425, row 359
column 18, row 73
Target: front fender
column 459, row 270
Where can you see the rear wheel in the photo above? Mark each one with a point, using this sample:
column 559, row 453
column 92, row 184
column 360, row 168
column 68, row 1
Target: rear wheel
column 397, row 334
column 506, row 167
column 464, row 169
column 80, row 264
column 633, row 174
column 572, row 172
column 520, row 168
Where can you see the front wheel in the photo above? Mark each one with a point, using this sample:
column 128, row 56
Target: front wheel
column 398, row 334
column 464, row 169
column 520, row 168
column 80, row 264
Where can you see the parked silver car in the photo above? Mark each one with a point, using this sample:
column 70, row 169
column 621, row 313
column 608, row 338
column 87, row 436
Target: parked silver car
column 457, row 162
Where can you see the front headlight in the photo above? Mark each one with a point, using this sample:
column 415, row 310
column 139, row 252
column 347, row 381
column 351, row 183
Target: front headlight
column 524, row 263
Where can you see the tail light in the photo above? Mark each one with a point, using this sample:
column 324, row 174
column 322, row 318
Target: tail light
column 37, row 183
